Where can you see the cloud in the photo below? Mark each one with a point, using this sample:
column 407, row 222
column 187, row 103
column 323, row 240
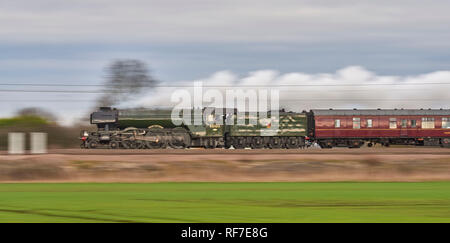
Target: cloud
column 411, row 22
column 50, row 64
column 347, row 88
column 53, row 41
column 350, row 87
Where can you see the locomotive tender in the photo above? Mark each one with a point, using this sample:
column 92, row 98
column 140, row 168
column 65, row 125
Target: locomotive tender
column 154, row 129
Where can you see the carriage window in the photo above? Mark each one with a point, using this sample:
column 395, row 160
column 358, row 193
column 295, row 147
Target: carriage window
column 369, row 122
column 427, row 122
column 392, row 122
column 446, row 122
column 337, row 123
column 356, row 123
column 413, row 123
column 404, row 123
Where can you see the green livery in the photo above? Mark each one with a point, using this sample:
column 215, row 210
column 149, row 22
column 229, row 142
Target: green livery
column 208, row 127
column 144, row 118
column 289, row 124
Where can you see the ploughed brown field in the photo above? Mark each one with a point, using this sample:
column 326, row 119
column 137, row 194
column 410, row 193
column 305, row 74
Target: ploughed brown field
column 340, row 164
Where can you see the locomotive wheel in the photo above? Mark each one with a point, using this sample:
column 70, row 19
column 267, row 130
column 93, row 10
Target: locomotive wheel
column 210, row 143
column 324, row 145
column 205, row 143
column 179, row 139
column 257, row 143
column 129, row 144
column 228, row 142
column 275, row 143
column 239, row 143
column 92, row 144
column 160, row 144
column 292, row 143
column 113, row 145
column 353, row 144
column 140, row 144
column 445, row 142
column 177, row 143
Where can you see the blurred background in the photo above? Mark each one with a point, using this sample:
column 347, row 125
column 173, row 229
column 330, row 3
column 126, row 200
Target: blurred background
column 61, row 60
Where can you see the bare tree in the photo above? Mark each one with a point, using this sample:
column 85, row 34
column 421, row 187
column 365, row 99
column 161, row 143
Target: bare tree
column 125, row 78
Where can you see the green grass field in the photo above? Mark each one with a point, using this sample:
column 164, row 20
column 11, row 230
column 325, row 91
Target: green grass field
column 226, row 202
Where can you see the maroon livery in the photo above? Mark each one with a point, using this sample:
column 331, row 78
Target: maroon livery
column 352, row 128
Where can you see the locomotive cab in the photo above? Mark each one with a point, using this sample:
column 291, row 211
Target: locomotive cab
column 106, row 119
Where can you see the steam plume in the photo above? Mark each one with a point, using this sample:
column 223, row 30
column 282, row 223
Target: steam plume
column 350, row 87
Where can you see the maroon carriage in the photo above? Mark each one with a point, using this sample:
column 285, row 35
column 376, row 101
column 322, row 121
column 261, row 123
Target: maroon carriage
column 353, row 128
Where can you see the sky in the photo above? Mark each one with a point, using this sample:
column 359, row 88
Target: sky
column 71, row 42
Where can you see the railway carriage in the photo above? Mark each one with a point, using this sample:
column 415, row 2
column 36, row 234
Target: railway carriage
column 353, row 128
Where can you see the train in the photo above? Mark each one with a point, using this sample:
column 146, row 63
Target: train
column 325, row 128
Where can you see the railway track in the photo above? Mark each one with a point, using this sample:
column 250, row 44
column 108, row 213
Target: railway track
column 360, row 151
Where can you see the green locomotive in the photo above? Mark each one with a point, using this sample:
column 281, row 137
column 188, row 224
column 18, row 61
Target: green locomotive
column 156, row 129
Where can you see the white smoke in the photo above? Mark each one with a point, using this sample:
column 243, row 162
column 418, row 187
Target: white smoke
column 350, row 87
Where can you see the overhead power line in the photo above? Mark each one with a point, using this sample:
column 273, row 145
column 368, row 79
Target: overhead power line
column 228, row 86
column 56, row 91
column 282, row 100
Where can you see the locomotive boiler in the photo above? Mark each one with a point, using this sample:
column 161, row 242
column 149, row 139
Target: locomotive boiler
column 156, row 129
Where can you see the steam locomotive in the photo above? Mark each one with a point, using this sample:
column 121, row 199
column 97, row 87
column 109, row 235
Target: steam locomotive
column 156, row 129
